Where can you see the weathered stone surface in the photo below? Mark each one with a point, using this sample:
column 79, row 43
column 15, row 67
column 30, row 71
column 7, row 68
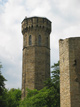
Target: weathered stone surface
column 36, row 58
column 70, row 72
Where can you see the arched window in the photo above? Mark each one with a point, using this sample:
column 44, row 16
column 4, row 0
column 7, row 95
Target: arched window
column 39, row 39
column 30, row 40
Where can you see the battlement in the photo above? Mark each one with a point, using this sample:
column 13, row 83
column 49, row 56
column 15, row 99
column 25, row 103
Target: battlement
column 36, row 23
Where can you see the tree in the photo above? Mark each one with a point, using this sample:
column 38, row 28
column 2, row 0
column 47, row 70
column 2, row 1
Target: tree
column 2, row 80
column 2, row 88
column 13, row 97
column 49, row 96
column 53, row 83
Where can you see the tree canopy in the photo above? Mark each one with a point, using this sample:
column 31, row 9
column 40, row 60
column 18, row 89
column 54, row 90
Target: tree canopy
column 2, row 88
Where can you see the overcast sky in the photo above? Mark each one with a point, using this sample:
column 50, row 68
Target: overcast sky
column 65, row 18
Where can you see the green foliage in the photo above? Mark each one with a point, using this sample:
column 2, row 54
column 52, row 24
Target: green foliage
column 13, row 97
column 56, row 77
column 49, row 96
column 37, row 100
column 2, row 84
column 56, row 73
column 2, row 89
column 31, row 93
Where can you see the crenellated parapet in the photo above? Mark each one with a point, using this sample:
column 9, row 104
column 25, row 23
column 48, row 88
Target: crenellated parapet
column 35, row 23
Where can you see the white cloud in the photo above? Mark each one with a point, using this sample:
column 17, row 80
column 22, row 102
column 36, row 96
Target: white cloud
column 65, row 17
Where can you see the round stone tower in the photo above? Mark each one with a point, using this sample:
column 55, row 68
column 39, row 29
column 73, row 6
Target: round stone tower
column 36, row 53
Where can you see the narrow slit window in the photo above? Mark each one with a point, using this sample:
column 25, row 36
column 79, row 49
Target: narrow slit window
column 47, row 42
column 30, row 40
column 39, row 40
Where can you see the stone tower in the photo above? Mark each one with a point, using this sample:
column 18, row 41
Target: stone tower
column 70, row 72
column 36, row 53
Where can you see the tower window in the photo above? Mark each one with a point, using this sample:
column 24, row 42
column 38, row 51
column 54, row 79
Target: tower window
column 39, row 39
column 30, row 40
column 47, row 42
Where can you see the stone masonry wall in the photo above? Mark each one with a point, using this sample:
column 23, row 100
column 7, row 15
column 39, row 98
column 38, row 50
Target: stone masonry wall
column 70, row 72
